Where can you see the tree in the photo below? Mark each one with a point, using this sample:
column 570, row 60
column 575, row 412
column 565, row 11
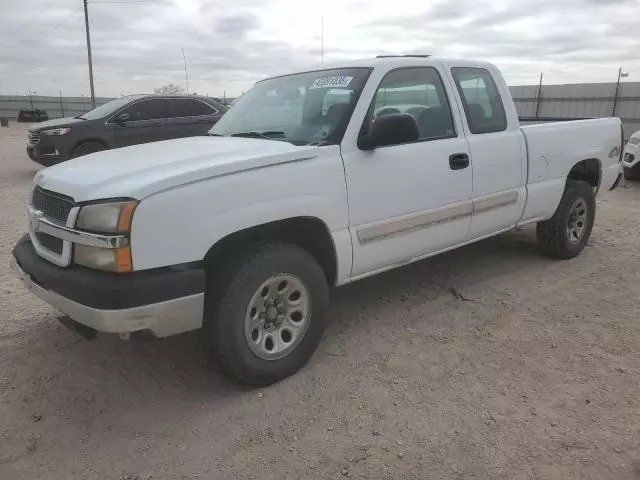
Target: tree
column 170, row 89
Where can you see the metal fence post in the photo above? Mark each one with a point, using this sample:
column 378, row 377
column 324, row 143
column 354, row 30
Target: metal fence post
column 539, row 99
column 61, row 104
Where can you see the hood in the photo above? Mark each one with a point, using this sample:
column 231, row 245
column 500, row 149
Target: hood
column 56, row 123
column 142, row 170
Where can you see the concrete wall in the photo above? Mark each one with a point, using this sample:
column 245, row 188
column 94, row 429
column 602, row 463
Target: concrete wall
column 581, row 101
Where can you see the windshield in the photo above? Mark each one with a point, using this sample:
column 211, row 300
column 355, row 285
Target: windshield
column 106, row 109
column 305, row 108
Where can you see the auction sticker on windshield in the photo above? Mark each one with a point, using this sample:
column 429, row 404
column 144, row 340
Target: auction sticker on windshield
column 340, row 81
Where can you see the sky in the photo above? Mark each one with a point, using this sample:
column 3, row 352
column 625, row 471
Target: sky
column 230, row 44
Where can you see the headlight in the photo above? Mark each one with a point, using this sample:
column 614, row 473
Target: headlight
column 634, row 140
column 56, row 131
column 112, row 217
column 109, row 218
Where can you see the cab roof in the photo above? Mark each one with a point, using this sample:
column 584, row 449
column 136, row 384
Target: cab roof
column 393, row 61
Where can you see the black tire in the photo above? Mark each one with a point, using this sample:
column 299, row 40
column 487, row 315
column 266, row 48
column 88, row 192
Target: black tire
column 633, row 173
column 86, row 148
column 230, row 288
column 552, row 235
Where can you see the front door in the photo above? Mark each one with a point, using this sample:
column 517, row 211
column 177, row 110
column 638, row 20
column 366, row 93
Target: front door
column 408, row 200
column 146, row 123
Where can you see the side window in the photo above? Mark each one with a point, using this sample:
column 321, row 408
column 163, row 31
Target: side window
column 177, row 108
column 197, row 107
column 146, row 110
column 482, row 102
column 419, row 92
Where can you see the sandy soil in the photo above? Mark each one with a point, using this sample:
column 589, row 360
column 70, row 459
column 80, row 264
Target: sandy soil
column 535, row 377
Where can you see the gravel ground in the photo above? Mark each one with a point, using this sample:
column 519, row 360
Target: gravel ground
column 534, row 377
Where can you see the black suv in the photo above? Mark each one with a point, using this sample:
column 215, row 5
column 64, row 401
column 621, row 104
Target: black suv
column 121, row 122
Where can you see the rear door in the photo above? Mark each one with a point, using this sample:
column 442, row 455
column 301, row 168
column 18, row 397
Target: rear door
column 146, row 123
column 188, row 117
column 205, row 115
column 497, row 149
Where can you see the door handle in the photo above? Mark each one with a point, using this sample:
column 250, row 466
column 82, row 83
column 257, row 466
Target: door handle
column 458, row 161
column 157, row 124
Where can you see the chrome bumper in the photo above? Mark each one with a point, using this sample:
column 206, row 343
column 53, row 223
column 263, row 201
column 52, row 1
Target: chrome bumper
column 162, row 319
column 39, row 223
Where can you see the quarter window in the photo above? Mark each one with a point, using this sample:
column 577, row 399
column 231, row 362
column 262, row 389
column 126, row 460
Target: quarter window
column 420, row 93
column 481, row 98
column 197, row 107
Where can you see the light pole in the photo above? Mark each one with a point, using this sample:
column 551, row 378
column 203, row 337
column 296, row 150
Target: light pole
column 86, row 24
column 615, row 97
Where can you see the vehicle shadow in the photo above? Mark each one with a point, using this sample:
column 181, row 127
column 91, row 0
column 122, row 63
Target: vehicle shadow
column 62, row 374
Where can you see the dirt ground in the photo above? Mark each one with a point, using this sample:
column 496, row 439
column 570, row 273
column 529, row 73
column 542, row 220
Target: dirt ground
column 534, row 377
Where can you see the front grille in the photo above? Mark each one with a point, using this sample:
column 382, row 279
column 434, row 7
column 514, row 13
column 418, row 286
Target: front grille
column 52, row 205
column 50, row 243
column 32, row 137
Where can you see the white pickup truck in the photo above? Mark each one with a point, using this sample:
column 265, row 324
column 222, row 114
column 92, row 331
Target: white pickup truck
column 311, row 180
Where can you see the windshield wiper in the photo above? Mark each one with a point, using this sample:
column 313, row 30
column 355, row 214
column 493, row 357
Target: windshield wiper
column 268, row 135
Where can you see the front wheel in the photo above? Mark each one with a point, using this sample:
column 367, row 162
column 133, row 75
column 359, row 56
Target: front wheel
column 265, row 312
column 566, row 233
column 86, row 148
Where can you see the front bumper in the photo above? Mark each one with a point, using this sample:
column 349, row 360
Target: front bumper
column 47, row 150
column 631, row 156
column 165, row 301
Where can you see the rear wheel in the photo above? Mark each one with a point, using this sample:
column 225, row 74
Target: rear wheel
column 86, row 148
column 265, row 312
column 566, row 233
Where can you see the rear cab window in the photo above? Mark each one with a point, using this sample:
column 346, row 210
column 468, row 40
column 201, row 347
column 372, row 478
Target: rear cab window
column 481, row 99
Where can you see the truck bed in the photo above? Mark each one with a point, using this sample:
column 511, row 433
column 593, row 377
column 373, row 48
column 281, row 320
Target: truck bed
column 554, row 148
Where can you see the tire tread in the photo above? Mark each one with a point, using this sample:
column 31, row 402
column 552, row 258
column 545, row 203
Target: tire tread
column 226, row 284
column 550, row 234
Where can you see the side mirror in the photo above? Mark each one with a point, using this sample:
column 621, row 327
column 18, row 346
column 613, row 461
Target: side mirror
column 123, row 118
column 390, row 129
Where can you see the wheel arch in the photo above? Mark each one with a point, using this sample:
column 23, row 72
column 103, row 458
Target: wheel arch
column 91, row 139
column 309, row 233
column 588, row 170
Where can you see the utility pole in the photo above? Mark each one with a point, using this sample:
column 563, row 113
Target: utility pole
column 186, row 77
column 86, row 24
column 615, row 97
column 539, row 96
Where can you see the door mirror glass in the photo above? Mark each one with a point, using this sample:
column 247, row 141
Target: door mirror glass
column 123, row 118
column 391, row 129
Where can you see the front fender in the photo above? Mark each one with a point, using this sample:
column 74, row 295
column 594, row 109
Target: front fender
column 179, row 225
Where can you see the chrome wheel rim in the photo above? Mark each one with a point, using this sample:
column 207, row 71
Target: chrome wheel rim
column 277, row 317
column 577, row 222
